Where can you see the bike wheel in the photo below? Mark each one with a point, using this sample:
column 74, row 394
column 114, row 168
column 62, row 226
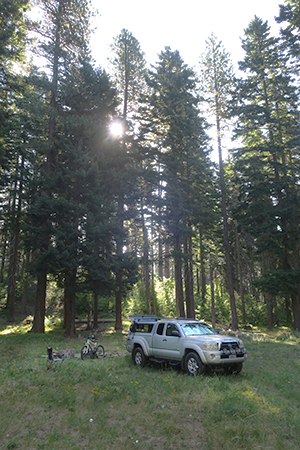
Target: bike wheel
column 85, row 352
column 100, row 351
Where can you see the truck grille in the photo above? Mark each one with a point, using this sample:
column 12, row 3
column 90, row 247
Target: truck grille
column 229, row 349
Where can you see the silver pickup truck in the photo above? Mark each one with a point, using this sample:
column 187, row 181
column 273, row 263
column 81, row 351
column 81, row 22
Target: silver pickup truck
column 189, row 342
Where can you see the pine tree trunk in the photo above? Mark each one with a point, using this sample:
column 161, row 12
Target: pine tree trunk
column 160, row 247
column 3, row 258
column 287, row 310
column 186, row 279
column 70, row 295
column 14, row 243
column 212, row 296
column 13, row 260
column 202, row 268
column 160, row 259
column 167, row 261
column 198, row 279
column 119, row 275
column 191, row 279
column 269, row 305
column 234, row 319
column 146, row 264
column 153, row 288
column 65, row 307
column 241, row 275
column 296, row 311
column 178, row 279
column 295, row 264
column 118, row 324
column 25, row 285
column 152, row 270
column 40, row 302
column 24, row 296
column 95, row 310
column 39, row 311
column 253, row 291
column 89, row 322
column 189, row 288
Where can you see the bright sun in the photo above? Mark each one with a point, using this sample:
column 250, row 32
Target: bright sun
column 116, row 129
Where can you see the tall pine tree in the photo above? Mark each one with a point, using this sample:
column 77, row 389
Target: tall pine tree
column 217, row 81
column 175, row 134
column 64, row 32
column 268, row 163
column 128, row 65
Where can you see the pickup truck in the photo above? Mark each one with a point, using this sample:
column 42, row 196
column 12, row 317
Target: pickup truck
column 193, row 344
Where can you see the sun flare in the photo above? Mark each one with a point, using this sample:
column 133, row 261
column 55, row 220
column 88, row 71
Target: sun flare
column 116, row 129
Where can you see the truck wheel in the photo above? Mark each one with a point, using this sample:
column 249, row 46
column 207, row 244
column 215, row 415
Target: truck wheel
column 193, row 364
column 139, row 357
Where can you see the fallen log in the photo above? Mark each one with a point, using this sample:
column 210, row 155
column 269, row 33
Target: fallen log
column 99, row 320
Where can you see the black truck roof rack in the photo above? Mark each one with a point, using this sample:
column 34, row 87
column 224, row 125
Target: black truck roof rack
column 143, row 318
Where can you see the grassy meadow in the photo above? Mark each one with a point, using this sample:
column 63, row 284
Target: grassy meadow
column 111, row 404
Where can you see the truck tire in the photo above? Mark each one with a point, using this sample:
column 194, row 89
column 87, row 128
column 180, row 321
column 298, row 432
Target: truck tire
column 139, row 357
column 193, row 364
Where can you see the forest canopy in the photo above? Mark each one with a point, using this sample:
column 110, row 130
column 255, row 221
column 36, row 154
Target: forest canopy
column 143, row 220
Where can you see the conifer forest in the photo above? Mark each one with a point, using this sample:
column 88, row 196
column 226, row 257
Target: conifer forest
column 111, row 202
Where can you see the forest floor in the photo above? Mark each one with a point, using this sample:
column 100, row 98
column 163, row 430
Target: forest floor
column 111, row 404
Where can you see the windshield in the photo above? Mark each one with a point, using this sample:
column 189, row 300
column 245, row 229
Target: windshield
column 197, row 328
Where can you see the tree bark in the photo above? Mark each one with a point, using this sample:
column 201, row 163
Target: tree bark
column 118, row 324
column 160, row 258
column 296, row 311
column 89, row 322
column 95, row 310
column 191, row 279
column 13, row 260
column 202, row 268
column 295, row 264
column 70, row 295
column 14, row 243
column 212, row 296
column 146, row 264
column 178, row 278
column 241, row 275
column 119, row 275
column 25, row 285
column 188, row 272
column 152, row 270
column 269, row 304
column 167, row 261
column 234, row 319
column 3, row 258
column 38, row 325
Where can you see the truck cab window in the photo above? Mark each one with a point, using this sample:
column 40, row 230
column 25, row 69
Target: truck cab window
column 171, row 327
column 160, row 329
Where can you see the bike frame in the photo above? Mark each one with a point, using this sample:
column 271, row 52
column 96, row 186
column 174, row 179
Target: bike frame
column 91, row 344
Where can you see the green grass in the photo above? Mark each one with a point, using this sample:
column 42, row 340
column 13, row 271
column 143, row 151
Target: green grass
column 111, row 404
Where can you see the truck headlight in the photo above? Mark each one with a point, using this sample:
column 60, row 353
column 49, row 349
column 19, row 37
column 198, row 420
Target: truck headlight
column 211, row 346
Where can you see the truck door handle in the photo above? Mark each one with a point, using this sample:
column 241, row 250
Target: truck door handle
column 164, row 340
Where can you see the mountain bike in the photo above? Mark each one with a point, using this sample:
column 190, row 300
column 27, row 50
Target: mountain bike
column 91, row 348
